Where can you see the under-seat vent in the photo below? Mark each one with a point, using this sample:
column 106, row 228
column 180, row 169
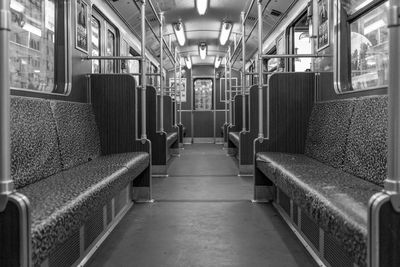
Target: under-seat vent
column 335, row 254
column 310, row 229
column 295, row 214
column 93, row 227
column 67, row 253
column 284, row 202
column 120, row 201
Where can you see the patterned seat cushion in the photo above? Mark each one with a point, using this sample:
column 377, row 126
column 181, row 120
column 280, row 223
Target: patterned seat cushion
column 336, row 200
column 366, row 151
column 327, row 131
column 171, row 138
column 235, row 138
column 78, row 133
column 34, row 144
column 61, row 203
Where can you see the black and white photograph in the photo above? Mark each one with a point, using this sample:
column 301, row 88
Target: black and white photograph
column 199, row 133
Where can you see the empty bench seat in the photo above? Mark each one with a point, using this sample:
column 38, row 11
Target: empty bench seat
column 344, row 165
column 57, row 163
column 171, row 138
column 235, row 137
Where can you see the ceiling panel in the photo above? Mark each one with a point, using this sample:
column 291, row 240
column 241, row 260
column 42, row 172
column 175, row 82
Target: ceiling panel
column 202, row 28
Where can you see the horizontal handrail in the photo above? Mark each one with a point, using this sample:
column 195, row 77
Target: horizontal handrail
column 112, row 58
column 295, row 56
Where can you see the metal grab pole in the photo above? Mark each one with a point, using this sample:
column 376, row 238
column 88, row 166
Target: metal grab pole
column 180, row 92
column 392, row 183
column 230, row 88
column 243, row 72
column 226, row 92
column 143, row 14
column 161, row 70
column 175, row 85
column 6, row 183
column 260, row 75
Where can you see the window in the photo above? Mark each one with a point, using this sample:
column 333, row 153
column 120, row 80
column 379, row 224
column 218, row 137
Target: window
column 110, row 50
column 363, row 29
column 33, row 38
column 301, row 44
column 203, row 91
column 95, row 44
column 130, row 66
column 369, row 50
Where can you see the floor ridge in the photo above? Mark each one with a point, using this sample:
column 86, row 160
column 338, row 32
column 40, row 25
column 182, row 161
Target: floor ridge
column 201, row 200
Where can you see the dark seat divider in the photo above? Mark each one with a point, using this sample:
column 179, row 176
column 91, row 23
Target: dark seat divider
column 159, row 144
column 114, row 102
column 291, row 98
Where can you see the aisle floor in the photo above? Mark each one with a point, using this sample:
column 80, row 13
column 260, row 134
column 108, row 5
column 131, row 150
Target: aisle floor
column 202, row 216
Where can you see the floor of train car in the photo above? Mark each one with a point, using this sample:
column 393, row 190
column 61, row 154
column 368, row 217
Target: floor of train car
column 202, row 216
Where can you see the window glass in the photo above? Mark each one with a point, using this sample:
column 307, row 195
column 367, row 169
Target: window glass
column 32, row 44
column 95, row 44
column 352, row 6
column 203, row 94
column 369, row 49
column 110, row 51
column 301, row 44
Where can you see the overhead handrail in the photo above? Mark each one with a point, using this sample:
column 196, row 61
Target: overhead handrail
column 6, row 183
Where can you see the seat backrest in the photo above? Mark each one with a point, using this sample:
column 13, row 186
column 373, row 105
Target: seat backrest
column 366, row 150
column 78, row 133
column 34, row 143
column 327, row 131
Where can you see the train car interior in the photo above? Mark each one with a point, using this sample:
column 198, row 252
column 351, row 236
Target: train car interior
column 200, row 133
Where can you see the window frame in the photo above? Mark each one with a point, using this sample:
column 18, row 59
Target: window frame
column 63, row 68
column 341, row 31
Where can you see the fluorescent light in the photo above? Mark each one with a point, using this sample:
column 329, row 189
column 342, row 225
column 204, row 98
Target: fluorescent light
column 30, row 28
column 201, row 6
column 17, row 6
column 203, row 50
column 226, row 30
column 363, row 4
column 188, row 62
column 374, row 26
column 217, row 62
column 180, row 33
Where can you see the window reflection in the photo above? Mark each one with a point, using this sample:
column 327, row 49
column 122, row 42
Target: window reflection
column 95, row 44
column 203, row 94
column 369, row 50
column 110, row 51
column 32, row 44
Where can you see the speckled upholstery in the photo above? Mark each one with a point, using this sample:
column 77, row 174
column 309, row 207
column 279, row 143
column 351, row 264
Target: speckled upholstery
column 78, row 133
column 61, row 203
column 328, row 129
column 171, row 138
column 56, row 163
column 34, row 145
column 337, row 200
column 366, row 152
column 350, row 136
column 235, row 138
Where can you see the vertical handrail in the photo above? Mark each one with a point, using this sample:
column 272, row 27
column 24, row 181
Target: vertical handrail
column 226, row 92
column 392, row 183
column 6, row 183
column 243, row 72
column 161, row 72
column 144, row 83
column 180, row 92
column 230, row 87
column 260, row 74
column 175, row 84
